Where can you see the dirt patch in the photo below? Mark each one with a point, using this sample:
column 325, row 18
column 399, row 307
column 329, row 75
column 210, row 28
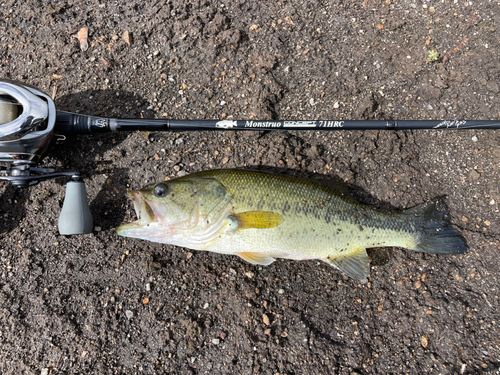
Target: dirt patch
column 103, row 304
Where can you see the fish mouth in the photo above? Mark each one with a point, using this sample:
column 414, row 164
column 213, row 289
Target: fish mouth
column 143, row 210
column 148, row 212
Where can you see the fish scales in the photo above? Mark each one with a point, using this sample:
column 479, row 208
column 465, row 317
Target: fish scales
column 337, row 212
column 261, row 216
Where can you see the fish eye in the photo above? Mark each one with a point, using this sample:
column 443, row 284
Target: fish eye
column 161, row 190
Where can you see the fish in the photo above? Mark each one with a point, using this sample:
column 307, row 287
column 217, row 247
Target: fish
column 261, row 216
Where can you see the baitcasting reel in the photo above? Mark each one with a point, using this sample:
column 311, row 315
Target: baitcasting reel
column 27, row 124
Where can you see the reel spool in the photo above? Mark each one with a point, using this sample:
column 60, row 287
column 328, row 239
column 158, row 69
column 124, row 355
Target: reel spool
column 27, row 120
column 8, row 109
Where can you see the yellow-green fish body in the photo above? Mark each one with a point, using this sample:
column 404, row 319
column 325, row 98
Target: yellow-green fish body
column 261, row 216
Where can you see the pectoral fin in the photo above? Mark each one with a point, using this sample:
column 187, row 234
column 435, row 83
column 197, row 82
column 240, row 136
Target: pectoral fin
column 354, row 263
column 257, row 258
column 256, row 219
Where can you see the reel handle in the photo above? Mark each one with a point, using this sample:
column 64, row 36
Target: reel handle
column 75, row 217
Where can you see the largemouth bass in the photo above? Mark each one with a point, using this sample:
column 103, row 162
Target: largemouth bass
column 260, row 217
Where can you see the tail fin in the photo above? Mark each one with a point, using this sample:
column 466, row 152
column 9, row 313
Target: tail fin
column 437, row 236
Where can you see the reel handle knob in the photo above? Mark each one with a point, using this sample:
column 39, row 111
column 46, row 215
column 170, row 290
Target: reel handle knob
column 75, row 217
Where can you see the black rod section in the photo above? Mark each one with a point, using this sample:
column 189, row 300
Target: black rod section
column 72, row 123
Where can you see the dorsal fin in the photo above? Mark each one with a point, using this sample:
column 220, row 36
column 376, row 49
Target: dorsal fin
column 337, row 185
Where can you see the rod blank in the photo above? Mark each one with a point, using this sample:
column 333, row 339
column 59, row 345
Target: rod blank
column 80, row 124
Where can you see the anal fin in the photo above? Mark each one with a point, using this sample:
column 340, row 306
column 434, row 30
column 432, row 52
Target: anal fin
column 257, row 258
column 354, row 263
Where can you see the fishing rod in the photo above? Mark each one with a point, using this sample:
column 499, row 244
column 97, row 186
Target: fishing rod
column 70, row 123
column 29, row 122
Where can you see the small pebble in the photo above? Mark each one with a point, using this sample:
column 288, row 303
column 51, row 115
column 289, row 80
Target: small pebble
column 148, row 287
column 425, row 341
column 129, row 314
column 265, row 318
column 99, row 143
column 215, row 341
column 475, row 139
column 83, row 38
column 45, row 371
column 179, row 141
column 336, row 105
column 205, row 306
column 281, row 291
column 473, row 176
column 97, row 229
column 223, row 103
column 492, row 202
column 127, row 37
